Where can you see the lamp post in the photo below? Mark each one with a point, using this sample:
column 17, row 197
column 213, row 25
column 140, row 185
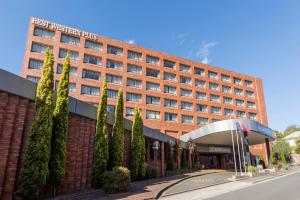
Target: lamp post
column 155, row 147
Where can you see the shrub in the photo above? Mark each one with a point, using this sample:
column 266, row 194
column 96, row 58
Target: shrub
column 151, row 172
column 184, row 162
column 261, row 161
column 251, row 168
column 196, row 165
column 117, row 180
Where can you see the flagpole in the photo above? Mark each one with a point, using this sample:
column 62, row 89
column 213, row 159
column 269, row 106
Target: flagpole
column 243, row 152
column 233, row 148
column 238, row 145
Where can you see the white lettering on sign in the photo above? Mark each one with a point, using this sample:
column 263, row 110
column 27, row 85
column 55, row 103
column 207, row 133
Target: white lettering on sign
column 219, row 150
column 65, row 29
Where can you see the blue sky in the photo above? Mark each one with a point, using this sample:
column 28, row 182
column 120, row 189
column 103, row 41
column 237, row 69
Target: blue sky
column 259, row 38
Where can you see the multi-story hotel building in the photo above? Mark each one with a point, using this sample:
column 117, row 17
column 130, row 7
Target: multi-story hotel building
column 176, row 95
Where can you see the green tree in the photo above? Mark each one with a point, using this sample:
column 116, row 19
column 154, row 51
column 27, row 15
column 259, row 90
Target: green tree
column 291, row 129
column 34, row 170
column 60, row 129
column 297, row 148
column 281, row 147
column 116, row 153
column 135, row 148
column 142, row 169
column 282, row 158
column 101, row 141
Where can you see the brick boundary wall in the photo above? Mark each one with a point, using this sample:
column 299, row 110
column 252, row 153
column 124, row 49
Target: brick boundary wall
column 16, row 116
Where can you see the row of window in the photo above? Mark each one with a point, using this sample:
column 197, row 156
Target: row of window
column 131, row 55
column 37, row 64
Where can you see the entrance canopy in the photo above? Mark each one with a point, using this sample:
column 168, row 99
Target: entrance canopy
column 219, row 133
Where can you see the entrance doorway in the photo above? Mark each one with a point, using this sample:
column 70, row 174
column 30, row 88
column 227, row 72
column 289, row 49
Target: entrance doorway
column 210, row 161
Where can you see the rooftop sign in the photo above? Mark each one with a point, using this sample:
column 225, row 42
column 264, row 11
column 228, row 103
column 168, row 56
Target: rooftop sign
column 65, row 29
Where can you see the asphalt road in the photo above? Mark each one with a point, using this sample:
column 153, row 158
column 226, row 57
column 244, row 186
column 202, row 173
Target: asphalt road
column 283, row 188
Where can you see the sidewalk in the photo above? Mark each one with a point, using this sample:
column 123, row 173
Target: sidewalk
column 147, row 189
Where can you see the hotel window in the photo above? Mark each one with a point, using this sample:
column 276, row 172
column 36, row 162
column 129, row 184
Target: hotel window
column 186, row 105
column 114, row 50
column 73, row 70
column 225, row 78
column 152, row 73
column 215, row 110
column 63, row 53
column 227, row 100
column 251, row 104
column 213, row 86
column 40, row 48
column 199, row 71
column 90, row 74
column 113, row 79
column 169, row 64
column 238, row 91
column 152, row 114
column 129, row 112
column 72, row 86
column 134, row 55
column 199, row 83
column 92, row 59
column 152, row 100
column 239, row 102
column 110, row 108
column 226, row 89
column 228, row 112
column 69, row 39
column 133, row 97
column 152, row 86
column 250, row 94
column 201, row 108
column 35, row 64
column 237, row 81
column 170, row 117
column 214, row 98
column 113, row 64
column 44, row 33
column 152, row 60
column 93, row 45
column 252, row 116
column 212, row 75
column 248, row 83
column 134, row 69
column 170, row 103
column 186, row 119
column 185, row 68
column 240, row 114
column 186, row 93
column 186, row 80
column 33, row 79
column 169, row 89
column 201, row 95
column 112, row 94
column 89, row 90
column 169, row 76
column 202, row 120
column 134, row 83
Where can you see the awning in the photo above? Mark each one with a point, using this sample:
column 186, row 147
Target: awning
column 219, row 133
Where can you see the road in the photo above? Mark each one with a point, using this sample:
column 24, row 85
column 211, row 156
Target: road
column 279, row 188
column 282, row 188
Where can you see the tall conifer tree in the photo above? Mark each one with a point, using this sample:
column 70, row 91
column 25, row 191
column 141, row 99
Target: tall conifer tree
column 101, row 141
column 142, row 170
column 34, row 170
column 116, row 154
column 60, row 128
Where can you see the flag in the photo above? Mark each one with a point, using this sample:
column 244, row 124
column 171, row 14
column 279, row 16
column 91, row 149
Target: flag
column 244, row 128
column 238, row 126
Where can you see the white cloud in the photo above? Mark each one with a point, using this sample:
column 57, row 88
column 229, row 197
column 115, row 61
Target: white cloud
column 181, row 38
column 130, row 41
column 203, row 52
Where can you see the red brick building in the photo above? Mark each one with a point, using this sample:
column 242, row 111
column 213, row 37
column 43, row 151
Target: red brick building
column 176, row 95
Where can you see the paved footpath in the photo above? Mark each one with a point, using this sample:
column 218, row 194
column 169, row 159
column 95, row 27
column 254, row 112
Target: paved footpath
column 228, row 191
column 148, row 189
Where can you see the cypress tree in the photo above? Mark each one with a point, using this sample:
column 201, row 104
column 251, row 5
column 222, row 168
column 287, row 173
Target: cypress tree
column 101, row 141
column 34, row 170
column 135, row 151
column 60, row 129
column 116, row 153
column 142, row 170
